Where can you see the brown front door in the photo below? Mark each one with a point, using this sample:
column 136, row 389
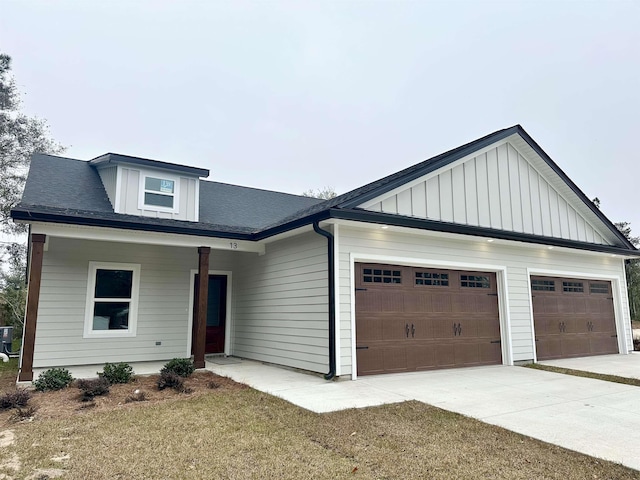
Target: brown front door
column 573, row 317
column 410, row 318
column 216, row 312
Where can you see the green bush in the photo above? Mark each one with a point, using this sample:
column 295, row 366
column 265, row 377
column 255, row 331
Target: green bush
column 53, row 379
column 93, row 388
column 116, row 373
column 14, row 399
column 183, row 367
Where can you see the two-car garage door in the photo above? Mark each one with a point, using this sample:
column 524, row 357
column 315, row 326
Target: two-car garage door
column 411, row 318
column 573, row 317
column 414, row 318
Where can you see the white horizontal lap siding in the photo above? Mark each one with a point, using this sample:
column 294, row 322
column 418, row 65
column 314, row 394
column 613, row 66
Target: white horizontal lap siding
column 162, row 305
column 281, row 308
column 375, row 242
column 498, row 188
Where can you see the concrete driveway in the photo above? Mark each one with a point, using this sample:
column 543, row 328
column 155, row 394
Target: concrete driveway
column 598, row 418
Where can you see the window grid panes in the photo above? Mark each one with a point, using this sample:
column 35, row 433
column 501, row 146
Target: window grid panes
column 432, row 278
column 573, row 287
column 381, row 276
column 543, row 285
column 598, row 287
column 112, row 299
column 159, row 192
column 474, row 281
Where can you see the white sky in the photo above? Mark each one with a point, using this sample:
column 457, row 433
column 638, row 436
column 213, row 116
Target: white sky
column 296, row 95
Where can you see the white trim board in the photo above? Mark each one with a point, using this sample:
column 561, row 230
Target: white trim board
column 228, row 320
column 108, row 234
column 501, row 279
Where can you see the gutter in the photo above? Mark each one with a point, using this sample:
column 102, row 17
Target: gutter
column 332, row 298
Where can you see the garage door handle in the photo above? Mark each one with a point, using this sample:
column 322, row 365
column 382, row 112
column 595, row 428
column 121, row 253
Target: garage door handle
column 457, row 329
column 413, row 331
column 406, row 329
column 362, row 348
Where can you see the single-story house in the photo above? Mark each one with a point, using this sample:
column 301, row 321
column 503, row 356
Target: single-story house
column 485, row 254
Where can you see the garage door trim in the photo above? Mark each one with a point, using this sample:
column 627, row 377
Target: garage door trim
column 616, row 283
column 501, row 281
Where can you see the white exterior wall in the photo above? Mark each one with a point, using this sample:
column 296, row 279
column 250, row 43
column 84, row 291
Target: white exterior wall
column 498, row 188
column 187, row 195
column 109, row 177
column 163, row 305
column 460, row 252
column 281, row 310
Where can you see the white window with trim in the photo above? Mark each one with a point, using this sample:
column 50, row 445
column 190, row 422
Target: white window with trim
column 158, row 192
column 112, row 300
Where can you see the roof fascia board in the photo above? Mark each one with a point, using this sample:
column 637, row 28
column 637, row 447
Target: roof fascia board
column 118, row 159
column 30, row 217
column 532, row 143
column 422, row 224
column 431, row 165
column 145, row 238
column 431, row 173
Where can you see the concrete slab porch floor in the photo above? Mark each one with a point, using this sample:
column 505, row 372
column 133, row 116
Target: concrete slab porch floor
column 598, row 418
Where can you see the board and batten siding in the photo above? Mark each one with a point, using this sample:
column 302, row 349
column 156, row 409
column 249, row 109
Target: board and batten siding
column 281, row 304
column 188, row 191
column 497, row 189
column 163, row 304
column 109, row 177
column 376, row 242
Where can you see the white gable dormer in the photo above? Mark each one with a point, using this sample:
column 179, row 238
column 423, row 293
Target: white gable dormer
column 149, row 188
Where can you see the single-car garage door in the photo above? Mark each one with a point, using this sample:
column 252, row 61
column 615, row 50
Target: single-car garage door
column 410, row 318
column 573, row 317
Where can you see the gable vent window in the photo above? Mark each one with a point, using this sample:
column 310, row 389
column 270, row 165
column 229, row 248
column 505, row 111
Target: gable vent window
column 573, row 287
column 543, row 285
column 474, row 281
column 598, row 287
column 375, row 275
column 159, row 192
column 431, row 278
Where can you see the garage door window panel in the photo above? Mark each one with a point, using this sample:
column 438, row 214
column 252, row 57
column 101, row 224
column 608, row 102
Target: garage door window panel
column 431, row 279
column 474, row 281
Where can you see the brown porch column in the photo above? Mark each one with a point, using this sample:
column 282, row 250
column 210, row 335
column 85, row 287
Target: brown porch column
column 201, row 310
column 31, row 317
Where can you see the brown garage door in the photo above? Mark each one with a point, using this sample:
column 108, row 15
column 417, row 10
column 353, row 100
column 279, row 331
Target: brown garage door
column 573, row 317
column 410, row 318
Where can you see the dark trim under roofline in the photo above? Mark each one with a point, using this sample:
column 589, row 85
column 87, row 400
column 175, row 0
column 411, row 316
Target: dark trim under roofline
column 116, row 158
column 359, row 215
column 27, row 216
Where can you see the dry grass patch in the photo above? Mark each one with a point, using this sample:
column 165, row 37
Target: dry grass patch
column 582, row 373
column 223, row 429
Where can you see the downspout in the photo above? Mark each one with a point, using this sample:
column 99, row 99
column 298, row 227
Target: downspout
column 332, row 298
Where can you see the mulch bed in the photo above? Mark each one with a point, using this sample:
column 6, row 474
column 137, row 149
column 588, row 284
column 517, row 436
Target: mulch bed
column 68, row 402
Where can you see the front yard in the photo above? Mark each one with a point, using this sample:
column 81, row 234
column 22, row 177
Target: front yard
column 225, row 430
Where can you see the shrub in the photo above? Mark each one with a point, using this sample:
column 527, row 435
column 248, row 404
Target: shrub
column 172, row 380
column 23, row 414
column 53, row 379
column 15, row 398
column 116, row 373
column 183, row 367
column 93, row 388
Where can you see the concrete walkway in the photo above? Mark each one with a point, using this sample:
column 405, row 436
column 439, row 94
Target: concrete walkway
column 598, row 418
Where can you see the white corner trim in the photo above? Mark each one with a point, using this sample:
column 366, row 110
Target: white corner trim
column 131, row 331
column 228, row 320
column 118, row 194
column 617, row 283
column 501, row 279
